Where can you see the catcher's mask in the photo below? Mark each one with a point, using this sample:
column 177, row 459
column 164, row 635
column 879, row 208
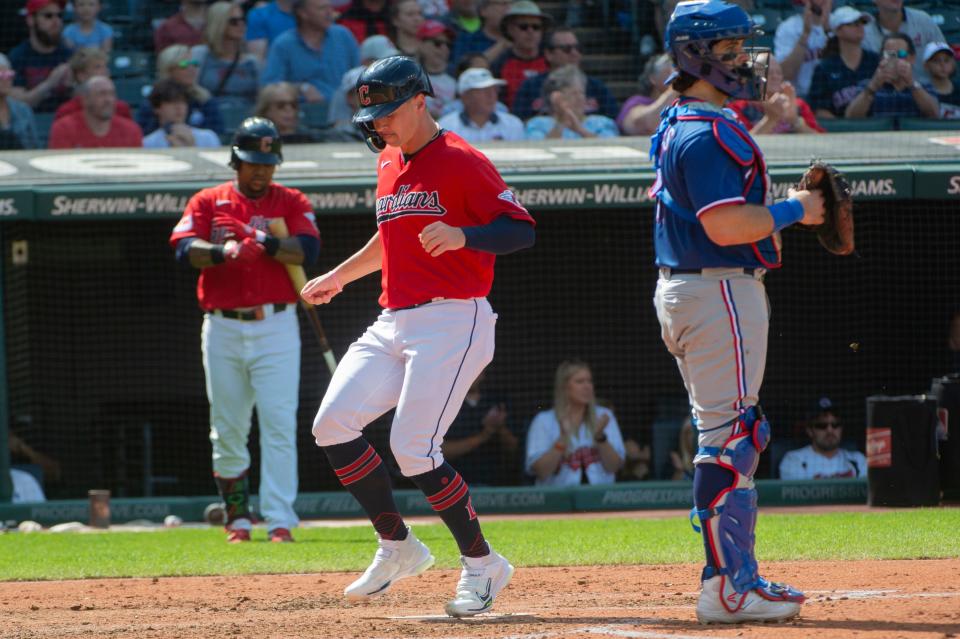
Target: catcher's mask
column 696, row 26
column 382, row 88
column 257, row 141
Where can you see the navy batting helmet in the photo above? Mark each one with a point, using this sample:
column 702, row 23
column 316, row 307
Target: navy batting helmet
column 695, row 26
column 257, row 141
column 383, row 87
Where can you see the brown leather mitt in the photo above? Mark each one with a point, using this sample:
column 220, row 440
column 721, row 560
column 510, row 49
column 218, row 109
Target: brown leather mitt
column 836, row 231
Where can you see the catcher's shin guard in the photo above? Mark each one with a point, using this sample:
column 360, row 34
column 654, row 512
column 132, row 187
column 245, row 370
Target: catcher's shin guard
column 235, row 493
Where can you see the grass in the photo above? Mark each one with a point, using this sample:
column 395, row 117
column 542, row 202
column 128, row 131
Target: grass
column 915, row 534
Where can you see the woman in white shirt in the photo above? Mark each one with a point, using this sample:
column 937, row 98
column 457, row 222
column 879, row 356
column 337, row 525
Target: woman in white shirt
column 577, row 441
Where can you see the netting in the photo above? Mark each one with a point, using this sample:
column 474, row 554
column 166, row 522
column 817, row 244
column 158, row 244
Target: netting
column 105, row 372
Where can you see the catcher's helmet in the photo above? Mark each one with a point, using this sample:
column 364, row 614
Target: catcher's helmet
column 257, row 141
column 695, row 26
column 383, row 87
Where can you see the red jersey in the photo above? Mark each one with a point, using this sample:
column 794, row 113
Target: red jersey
column 516, row 71
column 71, row 132
column 75, row 104
column 447, row 181
column 240, row 285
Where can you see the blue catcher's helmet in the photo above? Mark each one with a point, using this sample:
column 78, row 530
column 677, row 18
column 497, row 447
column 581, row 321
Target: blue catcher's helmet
column 694, row 26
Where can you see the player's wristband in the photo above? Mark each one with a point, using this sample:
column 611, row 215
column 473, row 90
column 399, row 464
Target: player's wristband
column 786, row 213
column 259, row 236
column 270, row 244
column 216, row 254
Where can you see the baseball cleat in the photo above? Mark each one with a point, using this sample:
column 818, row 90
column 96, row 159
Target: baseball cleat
column 479, row 585
column 395, row 560
column 237, row 535
column 720, row 603
column 280, row 536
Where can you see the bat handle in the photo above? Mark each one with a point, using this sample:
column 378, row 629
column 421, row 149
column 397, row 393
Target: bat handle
column 331, row 361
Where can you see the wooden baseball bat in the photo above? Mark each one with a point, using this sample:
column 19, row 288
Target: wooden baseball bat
column 278, row 228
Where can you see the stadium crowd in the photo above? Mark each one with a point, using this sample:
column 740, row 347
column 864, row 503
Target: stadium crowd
column 501, row 70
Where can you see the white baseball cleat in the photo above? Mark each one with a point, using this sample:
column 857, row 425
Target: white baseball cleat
column 394, row 560
column 720, row 603
column 479, row 584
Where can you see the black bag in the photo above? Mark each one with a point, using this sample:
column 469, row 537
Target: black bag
column 903, row 468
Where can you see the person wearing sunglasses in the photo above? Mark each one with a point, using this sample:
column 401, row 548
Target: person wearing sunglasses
column 280, row 103
column 436, row 40
column 845, row 64
column 561, row 48
column 42, row 77
column 227, row 70
column 893, row 17
column 177, row 63
column 523, row 25
column 183, row 27
column 824, row 457
column 18, row 127
column 893, row 91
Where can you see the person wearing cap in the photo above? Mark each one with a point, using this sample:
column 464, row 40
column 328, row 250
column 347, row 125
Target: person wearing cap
column 405, row 19
column 366, row 18
column 313, row 56
column 844, row 66
column 183, row 27
column 565, row 94
column 97, row 125
column 799, row 41
column 561, row 47
column 893, row 17
column 523, row 25
column 941, row 65
column 893, row 91
column 480, row 121
column 265, row 23
column 42, row 77
column 436, row 40
column 824, row 457
column 488, row 39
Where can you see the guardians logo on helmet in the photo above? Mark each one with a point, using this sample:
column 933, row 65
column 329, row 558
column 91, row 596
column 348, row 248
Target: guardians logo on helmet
column 256, row 141
column 384, row 87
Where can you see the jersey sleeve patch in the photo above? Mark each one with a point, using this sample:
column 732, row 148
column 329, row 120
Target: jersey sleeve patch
column 732, row 140
column 185, row 225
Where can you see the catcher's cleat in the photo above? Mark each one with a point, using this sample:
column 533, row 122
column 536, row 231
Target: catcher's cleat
column 237, row 535
column 479, row 585
column 280, row 536
column 394, row 560
column 720, row 603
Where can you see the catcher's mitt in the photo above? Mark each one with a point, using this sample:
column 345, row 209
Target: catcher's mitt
column 836, row 231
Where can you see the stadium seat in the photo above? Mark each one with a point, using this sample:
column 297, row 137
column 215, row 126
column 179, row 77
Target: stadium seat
column 314, row 115
column 130, row 89
column 845, row 125
column 232, row 114
column 44, row 121
column 948, row 19
column 928, row 124
column 125, row 64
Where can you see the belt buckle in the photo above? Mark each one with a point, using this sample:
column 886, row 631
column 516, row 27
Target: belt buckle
column 258, row 313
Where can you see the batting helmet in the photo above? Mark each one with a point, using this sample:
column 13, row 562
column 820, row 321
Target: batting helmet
column 257, row 141
column 382, row 88
column 695, row 26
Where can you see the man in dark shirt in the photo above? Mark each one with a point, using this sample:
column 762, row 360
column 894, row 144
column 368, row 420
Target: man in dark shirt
column 40, row 61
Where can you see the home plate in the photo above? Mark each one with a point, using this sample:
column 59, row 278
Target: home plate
column 486, row 616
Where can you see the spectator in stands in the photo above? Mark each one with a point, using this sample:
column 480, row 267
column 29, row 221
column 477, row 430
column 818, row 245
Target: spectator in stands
column 565, row 94
column 892, row 17
column 799, row 40
column 84, row 64
column 576, row 441
column 18, row 128
column 279, row 102
column 561, row 47
column 43, row 75
column 87, row 30
column 463, row 17
column 844, row 65
column 640, row 114
column 479, row 120
column 372, row 49
column 171, row 104
column 488, row 39
column 315, row 55
column 824, row 458
column 265, row 23
column 474, row 60
column 782, row 111
column 893, row 91
column 482, row 441
column 97, row 125
column 177, row 63
column 226, row 70
column 22, row 453
column 405, row 19
column 682, row 458
column 436, row 39
column 366, row 18
column 184, row 27
column 524, row 26
column 941, row 66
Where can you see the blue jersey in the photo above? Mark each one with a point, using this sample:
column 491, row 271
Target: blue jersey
column 705, row 159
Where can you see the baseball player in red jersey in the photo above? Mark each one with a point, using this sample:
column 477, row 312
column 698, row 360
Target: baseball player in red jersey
column 250, row 339
column 443, row 214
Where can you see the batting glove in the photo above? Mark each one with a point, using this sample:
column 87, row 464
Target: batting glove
column 246, row 251
column 240, row 230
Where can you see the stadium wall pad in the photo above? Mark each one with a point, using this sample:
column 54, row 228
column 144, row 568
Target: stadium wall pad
column 524, row 500
column 103, row 368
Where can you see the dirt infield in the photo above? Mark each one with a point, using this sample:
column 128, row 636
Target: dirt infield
column 863, row 599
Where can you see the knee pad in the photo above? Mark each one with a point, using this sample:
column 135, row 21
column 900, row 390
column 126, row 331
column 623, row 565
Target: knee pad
column 741, row 451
